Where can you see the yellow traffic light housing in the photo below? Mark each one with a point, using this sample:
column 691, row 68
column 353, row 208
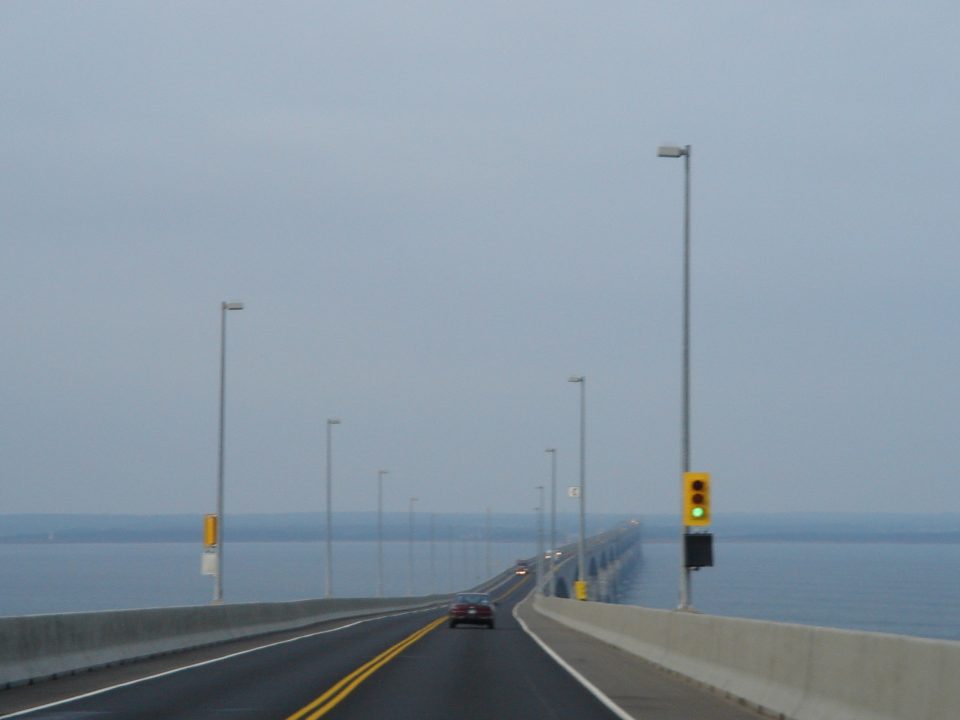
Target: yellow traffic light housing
column 696, row 499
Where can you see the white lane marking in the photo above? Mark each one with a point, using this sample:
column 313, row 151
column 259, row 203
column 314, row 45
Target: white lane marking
column 593, row 689
column 110, row 688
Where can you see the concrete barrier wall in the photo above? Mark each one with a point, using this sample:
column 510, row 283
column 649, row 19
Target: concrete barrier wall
column 34, row 647
column 792, row 671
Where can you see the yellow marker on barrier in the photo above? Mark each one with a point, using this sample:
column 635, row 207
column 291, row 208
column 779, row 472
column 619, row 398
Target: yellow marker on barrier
column 580, row 589
column 210, row 530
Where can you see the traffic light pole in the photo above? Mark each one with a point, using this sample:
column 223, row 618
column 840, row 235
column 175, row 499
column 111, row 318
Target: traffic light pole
column 686, row 599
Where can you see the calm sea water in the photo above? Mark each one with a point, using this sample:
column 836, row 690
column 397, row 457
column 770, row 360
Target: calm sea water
column 55, row 578
column 896, row 588
column 907, row 589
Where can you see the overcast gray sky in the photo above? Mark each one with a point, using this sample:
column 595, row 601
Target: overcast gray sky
column 436, row 212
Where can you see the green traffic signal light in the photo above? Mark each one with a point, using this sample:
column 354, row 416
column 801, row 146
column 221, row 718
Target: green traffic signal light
column 697, row 512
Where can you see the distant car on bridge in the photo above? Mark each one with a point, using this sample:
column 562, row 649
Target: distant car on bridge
column 521, row 568
column 473, row 609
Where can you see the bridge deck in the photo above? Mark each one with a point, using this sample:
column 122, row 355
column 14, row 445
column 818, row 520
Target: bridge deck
column 639, row 688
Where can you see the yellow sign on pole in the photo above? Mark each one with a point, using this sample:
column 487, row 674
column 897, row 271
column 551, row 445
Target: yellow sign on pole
column 210, row 530
column 580, row 589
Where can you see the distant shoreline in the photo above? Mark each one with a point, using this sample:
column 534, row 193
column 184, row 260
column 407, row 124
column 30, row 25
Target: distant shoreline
column 659, row 538
column 59, row 529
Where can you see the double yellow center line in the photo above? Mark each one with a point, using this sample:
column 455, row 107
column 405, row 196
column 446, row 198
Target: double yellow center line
column 337, row 693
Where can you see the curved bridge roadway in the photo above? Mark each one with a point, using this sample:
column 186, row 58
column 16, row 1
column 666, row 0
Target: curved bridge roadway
column 407, row 665
column 402, row 666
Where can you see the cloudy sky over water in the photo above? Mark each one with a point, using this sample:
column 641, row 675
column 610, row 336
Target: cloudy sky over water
column 436, row 212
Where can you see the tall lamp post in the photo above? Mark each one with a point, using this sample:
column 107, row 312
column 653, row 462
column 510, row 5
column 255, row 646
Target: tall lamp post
column 540, row 540
column 328, row 575
column 553, row 511
column 380, row 474
column 218, row 582
column 673, row 151
column 581, row 546
column 410, row 551
column 433, row 554
column 489, row 560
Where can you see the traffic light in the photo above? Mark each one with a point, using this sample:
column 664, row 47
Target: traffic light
column 696, row 499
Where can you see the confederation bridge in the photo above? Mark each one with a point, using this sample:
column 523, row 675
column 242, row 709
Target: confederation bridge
column 549, row 656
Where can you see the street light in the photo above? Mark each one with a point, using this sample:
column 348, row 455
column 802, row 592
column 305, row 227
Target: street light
column 433, row 555
column 410, row 551
column 380, row 474
column 540, row 540
column 489, row 560
column 450, row 582
column 581, row 546
column 218, row 583
column 553, row 511
column 328, row 576
column 672, row 151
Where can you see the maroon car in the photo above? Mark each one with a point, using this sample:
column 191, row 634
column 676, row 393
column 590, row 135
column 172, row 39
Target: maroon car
column 472, row 608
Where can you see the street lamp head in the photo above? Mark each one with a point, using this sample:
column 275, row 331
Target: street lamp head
column 333, row 421
column 551, row 450
column 232, row 306
column 672, row 151
column 576, row 378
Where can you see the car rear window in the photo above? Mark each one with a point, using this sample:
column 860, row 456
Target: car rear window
column 475, row 598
